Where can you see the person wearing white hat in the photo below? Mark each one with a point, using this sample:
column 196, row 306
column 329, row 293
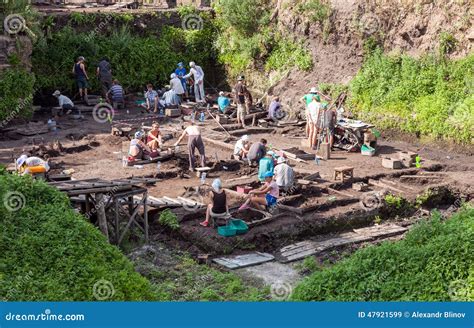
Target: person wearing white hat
column 80, row 74
column 198, row 75
column 223, row 102
column 177, row 87
column 241, row 147
column 307, row 99
column 65, row 103
column 138, row 147
column 284, row 174
column 218, row 208
column 31, row 165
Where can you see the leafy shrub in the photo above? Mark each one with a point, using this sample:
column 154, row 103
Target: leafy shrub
column 169, row 219
column 316, row 10
column 434, row 262
column 287, row 54
column 136, row 59
column 50, row 253
column 16, row 93
column 425, row 96
column 245, row 16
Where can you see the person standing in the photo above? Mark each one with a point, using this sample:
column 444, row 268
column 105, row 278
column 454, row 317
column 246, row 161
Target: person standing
column 80, row 74
column 104, row 74
column 177, row 87
column 313, row 120
column 194, row 141
column 307, row 99
column 180, row 73
column 198, row 75
column 241, row 93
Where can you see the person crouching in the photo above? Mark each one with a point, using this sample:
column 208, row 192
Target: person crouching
column 31, row 165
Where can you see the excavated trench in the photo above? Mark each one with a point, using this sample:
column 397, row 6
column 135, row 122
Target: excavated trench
column 317, row 211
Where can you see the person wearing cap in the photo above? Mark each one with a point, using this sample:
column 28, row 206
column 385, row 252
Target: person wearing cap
column 80, row 74
column 256, row 151
column 65, row 103
column 307, row 99
column 177, row 87
column 138, row 149
column 241, row 92
column 194, row 141
column 31, row 165
column 218, row 208
column 313, row 120
column 241, row 147
column 223, row 102
column 181, row 72
column 264, row 197
column 169, row 98
column 198, row 75
column 284, row 174
column 115, row 95
column 266, row 165
column 104, row 74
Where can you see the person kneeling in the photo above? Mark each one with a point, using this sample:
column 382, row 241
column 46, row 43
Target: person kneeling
column 31, row 165
column 218, row 208
column 263, row 197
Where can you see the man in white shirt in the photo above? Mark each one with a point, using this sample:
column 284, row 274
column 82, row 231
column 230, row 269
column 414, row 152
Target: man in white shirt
column 170, row 98
column 65, row 103
column 284, row 174
column 198, row 75
column 313, row 119
column 194, row 141
column 177, row 86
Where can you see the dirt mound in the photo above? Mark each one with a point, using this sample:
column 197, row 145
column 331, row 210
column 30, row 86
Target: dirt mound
column 337, row 44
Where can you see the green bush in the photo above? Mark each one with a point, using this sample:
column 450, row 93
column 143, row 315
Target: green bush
column 50, row 253
column 169, row 219
column 136, row 59
column 434, row 262
column 427, row 96
column 288, row 54
column 316, row 10
column 16, row 93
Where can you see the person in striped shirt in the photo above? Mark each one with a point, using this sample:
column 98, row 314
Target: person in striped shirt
column 116, row 95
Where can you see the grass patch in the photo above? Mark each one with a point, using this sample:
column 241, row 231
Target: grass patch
column 434, row 262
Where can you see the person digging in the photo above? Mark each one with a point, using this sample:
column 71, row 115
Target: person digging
column 194, row 141
column 264, row 197
column 218, row 208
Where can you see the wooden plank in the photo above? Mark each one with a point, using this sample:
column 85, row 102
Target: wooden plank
column 340, row 192
column 172, row 200
column 385, row 185
column 395, row 184
column 246, row 260
column 218, row 143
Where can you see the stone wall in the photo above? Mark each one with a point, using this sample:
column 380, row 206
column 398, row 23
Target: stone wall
column 20, row 46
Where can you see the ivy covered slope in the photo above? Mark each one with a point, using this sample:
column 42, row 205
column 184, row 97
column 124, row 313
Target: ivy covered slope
column 430, row 96
column 434, row 262
column 16, row 93
column 51, row 253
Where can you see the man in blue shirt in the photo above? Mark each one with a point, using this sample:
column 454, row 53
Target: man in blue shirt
column 181, row 72
column 223, row 102
column 266, row 165
column 274, row 110
column 151, row 98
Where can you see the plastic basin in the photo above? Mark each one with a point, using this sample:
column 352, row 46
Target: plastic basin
column 239, row 226
column 226, row 231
